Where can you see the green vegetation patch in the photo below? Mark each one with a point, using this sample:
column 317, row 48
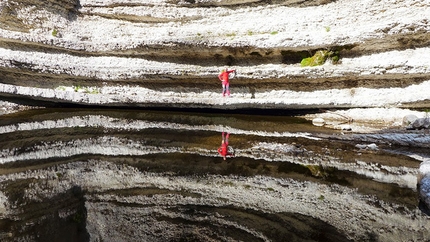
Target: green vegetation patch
column 319, row 58
column 89, row 90
column 316, row 60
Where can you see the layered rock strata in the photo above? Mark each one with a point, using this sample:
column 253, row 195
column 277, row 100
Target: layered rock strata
column 97, row 175
column 163, row 53
column 168, row 54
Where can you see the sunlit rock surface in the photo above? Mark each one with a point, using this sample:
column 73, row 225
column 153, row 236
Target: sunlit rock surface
column 164, row 53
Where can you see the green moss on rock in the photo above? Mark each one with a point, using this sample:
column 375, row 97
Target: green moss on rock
column 319, row 58
column 316, row 60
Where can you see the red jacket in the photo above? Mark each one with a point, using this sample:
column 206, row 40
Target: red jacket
column 223, row 76
column 223, row 150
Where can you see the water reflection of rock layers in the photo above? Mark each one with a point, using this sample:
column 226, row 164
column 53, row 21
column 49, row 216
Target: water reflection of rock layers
column 145, row 176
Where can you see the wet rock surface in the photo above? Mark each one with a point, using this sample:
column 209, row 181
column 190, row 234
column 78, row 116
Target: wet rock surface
column 154, row 176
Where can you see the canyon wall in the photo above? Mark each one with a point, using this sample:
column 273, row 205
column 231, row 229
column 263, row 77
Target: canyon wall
column 96, row 176
column 168, row 53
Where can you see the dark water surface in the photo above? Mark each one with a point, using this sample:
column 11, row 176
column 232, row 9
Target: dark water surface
column 133, row 175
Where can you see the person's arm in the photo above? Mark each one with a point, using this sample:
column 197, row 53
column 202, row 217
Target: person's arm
column 220, row 76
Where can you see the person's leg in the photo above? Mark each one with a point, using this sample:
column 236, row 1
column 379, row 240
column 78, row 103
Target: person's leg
column 226, row 138
column 227, row 87
column 224, row 89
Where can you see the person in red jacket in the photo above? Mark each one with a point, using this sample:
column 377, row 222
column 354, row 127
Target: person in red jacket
column 223, row 149
column 223, row 77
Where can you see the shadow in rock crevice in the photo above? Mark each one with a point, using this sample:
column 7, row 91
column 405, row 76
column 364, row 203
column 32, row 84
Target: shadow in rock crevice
column 60, row 218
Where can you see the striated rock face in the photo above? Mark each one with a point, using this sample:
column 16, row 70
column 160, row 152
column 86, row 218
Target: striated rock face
column 24, row 16
column 168, row 53
column 99, row 178
column 117, row 175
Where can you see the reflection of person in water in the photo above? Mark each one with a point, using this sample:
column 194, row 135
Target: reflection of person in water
column 223, row 150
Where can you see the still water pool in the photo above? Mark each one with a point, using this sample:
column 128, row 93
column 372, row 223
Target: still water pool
column 133, row 175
